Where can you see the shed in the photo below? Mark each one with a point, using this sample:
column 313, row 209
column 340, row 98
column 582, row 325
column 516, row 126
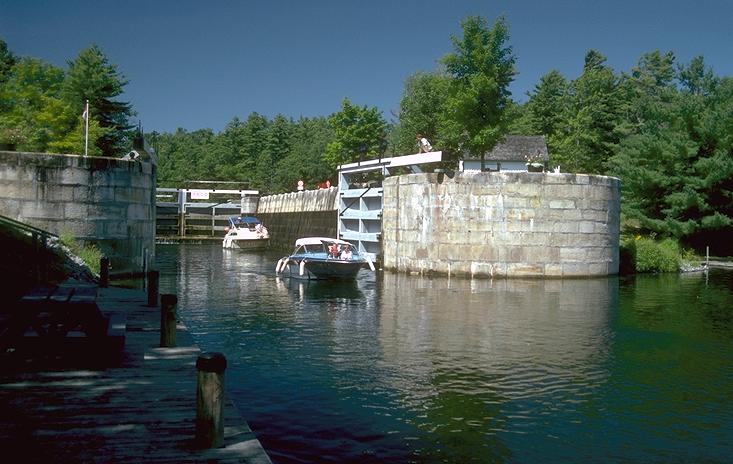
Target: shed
column 510, row 155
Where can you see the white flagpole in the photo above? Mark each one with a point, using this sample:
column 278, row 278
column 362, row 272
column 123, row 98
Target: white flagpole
column 86, row 128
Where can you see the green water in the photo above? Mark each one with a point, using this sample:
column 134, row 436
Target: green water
column 396, row 368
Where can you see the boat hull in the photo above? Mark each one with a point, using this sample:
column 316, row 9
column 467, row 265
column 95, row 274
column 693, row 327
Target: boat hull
column 331, row 269
column 247, row 244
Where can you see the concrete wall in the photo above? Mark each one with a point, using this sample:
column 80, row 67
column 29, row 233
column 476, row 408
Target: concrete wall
column 107, row 201
column 289, row 216
column 502, row 224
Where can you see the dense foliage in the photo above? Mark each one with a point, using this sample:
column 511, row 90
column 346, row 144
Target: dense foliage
column 664, row 128
column 41, row 105
column 267, row 155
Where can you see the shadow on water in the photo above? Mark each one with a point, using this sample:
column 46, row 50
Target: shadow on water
column 398, row 368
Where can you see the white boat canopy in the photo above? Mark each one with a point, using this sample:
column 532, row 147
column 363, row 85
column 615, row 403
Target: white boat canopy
column 319, row 240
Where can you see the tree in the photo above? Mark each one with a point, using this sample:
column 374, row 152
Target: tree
column 420, row 108
column 7, row 60
column 677, row 165
column 305, row 162
column 277, row 146
column 481, row 67
column 91, row 77
column 359, row 133
column 32, row 114
column 593, row 125
column 548, row 105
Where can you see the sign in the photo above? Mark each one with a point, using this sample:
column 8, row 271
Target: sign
column 199, row 194
column 300, row 185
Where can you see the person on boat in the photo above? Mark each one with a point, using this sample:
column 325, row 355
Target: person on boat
column 333, row 250
column 345, row 252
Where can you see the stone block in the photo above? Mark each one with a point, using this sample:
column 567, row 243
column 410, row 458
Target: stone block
column 99, row 194
column 73, row 176
column 561, row 204
column 75, row 211
column 38, row 210
column 569, row 255
column 553, row 270
column 586, row 227
column 10, row 207
column 524, row 270
column 597, row 269
column 565, row 227
column 575, row 269
column 578, row 179
column 535, row 254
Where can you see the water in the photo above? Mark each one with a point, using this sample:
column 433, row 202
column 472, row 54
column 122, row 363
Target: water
column 396, row 368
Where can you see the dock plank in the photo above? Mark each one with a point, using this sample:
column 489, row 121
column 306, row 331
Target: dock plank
column 140, row 407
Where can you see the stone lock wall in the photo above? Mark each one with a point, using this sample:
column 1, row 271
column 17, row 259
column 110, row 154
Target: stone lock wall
column 289, row 216
column 515, row 224
column 106, row 201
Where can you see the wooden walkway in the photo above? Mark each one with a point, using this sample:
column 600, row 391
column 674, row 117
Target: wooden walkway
column 140, row 407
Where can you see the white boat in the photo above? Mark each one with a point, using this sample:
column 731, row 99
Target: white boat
column 323, row 258
column 247, row 233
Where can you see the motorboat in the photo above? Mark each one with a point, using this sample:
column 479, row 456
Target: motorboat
column 247, row 233
column 323, row 258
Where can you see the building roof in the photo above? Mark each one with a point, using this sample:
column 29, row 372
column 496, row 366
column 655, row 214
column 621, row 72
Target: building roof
column 517, row 148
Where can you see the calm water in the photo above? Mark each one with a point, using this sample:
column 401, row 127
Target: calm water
column 396, row 368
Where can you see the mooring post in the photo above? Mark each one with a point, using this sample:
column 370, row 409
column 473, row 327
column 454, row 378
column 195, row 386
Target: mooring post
column 168, row 320
column 104, row 272
column 153, row 277
column 210, row 400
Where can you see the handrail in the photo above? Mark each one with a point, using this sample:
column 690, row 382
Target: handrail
column 25, row 227
column 38, row 267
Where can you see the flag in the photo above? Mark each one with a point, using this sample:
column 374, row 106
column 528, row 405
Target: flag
column 85, row 118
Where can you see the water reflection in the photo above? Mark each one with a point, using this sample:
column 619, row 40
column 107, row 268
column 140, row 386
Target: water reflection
column 397, row 368
column 482, row 358
column 319, row 290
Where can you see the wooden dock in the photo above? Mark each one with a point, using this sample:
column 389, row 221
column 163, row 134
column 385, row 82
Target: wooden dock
column 139, row 406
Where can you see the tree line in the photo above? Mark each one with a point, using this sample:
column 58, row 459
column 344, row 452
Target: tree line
column 664, row 128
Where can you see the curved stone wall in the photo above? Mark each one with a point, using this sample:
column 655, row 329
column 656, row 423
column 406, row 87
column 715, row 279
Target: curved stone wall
column 106, row 201
column 502, row 224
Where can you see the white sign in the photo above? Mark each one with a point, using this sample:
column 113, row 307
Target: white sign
column 199, row 194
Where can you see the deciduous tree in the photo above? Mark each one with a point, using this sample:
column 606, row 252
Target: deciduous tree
column 359, row 133
column 481, row 67
column 421, row 107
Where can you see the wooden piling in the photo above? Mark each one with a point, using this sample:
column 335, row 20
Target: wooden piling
column 168, row 320
column 210, row 400
column 153, row 278
column 104, row 272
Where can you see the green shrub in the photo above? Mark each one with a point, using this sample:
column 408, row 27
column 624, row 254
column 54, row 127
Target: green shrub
column 90, row 254
column 653, row 256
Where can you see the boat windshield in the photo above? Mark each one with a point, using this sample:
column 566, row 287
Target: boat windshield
column 244, row 221
column 329, row 248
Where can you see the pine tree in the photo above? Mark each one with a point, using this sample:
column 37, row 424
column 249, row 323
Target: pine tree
column 91, row 77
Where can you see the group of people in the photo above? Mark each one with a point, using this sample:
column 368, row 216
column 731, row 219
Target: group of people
column 342, row 252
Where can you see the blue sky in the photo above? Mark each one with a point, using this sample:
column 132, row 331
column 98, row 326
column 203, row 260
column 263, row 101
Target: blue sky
column 198, row 64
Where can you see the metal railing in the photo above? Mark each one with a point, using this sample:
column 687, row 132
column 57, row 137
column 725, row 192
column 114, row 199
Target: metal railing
column 39, row 244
